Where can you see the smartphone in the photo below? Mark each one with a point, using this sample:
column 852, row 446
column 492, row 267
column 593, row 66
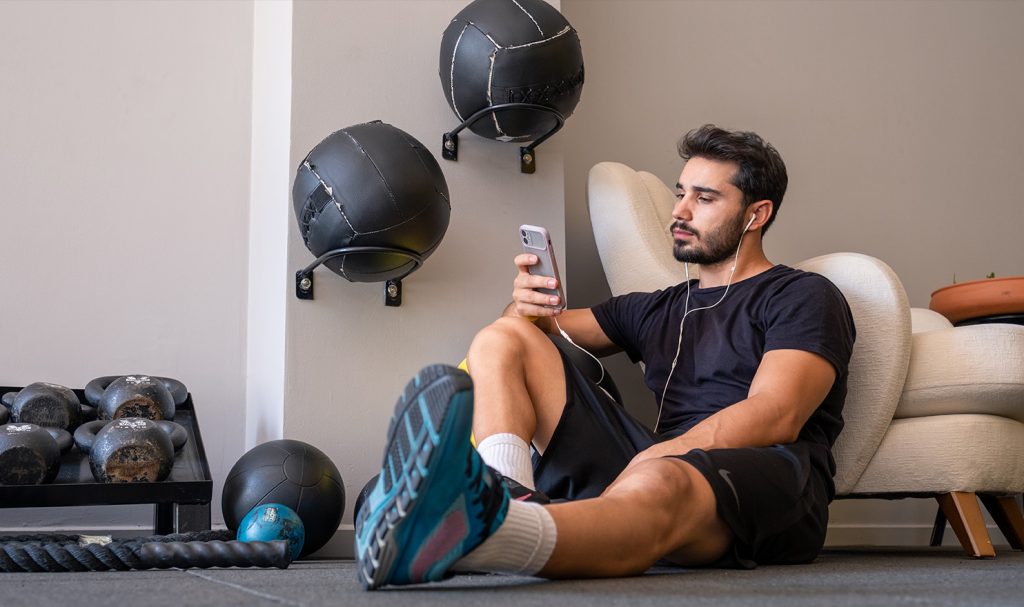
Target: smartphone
column 537, row 241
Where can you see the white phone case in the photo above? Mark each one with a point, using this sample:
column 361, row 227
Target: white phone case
column 537, row 241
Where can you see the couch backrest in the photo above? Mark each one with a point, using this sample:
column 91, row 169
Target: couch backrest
column 881, row 354
column 630, row 212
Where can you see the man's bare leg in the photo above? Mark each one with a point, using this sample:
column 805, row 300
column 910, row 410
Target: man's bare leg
column 659, row 508
column 518, row 382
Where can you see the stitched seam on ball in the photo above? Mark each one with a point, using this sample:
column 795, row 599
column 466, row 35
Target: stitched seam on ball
column 330, row 192
column 488, row 36
column 561, row 33
column 452, row 75
column 490, row 74
column 387, row 187
column 530, row 16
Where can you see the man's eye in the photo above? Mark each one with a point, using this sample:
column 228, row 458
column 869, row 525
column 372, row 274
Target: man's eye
column 679, row 196
column 704, row 199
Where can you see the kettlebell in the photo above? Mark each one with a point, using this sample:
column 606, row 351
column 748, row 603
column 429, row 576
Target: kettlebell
column 130, row 449
column 136, row 396
column 47, row 405
column 95, row 388
column 30, row 454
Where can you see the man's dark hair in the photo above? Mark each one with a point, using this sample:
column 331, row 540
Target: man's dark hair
column 761, row 174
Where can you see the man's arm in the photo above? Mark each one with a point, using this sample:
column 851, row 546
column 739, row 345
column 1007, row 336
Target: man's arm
column 580, row 325
column 788, row 386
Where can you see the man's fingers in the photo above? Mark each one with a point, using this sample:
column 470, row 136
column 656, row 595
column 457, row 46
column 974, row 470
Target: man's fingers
column 525, row 260
column 529, row 281
column 530, row 296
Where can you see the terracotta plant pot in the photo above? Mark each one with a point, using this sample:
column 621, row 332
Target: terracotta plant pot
column 980, row 298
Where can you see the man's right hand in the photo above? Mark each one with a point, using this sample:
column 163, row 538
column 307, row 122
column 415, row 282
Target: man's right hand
column 527, row 302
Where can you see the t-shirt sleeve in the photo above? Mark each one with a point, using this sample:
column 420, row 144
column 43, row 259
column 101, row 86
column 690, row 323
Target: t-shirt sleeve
column 621, row 318
column 810, row 314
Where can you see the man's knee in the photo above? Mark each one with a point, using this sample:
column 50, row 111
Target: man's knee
column 661, row 481
column 506, row 335
column 678, row 499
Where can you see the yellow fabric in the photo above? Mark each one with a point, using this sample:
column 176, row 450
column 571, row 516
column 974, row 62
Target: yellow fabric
column 465, row 367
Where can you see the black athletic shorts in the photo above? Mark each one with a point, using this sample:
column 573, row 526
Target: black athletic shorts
column 774, row 499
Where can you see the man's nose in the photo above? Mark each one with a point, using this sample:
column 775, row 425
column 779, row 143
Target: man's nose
column 681, row 210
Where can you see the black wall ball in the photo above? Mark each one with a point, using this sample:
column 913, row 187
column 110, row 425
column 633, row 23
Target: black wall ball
column 511, row 51
column 371, row 185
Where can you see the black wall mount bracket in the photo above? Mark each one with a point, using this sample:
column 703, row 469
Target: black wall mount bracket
column 527, row 155
column 392, row 288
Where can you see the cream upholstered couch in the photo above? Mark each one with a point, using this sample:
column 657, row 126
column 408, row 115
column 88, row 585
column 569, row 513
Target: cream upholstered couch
column 932, row 410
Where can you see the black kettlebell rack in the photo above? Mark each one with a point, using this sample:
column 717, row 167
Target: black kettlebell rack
column 181, row 502
column 527, row 155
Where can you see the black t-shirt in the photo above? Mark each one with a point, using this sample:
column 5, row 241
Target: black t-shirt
column 781, row 308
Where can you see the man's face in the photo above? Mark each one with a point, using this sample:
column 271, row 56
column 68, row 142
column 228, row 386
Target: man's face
column 709, row 217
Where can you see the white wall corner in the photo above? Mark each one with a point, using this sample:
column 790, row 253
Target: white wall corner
column 269, row 220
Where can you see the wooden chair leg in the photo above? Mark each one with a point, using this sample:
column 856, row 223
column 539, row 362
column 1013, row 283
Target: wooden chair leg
column 1006, row 513
column 964, row 514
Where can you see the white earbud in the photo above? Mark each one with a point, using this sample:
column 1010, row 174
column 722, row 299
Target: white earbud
column 751, row 222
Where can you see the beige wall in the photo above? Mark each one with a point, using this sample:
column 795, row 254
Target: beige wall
column 349, row 356
column 900, row 124
column 124, row 172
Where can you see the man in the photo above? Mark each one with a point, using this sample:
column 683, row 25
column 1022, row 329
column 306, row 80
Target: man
column 748, row 365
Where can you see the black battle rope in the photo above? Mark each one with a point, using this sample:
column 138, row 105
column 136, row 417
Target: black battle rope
column 154, row 552
column 56, row 538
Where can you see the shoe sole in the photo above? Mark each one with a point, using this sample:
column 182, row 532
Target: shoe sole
column 412, row 440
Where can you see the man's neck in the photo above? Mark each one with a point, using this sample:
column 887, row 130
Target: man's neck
column 749, row 265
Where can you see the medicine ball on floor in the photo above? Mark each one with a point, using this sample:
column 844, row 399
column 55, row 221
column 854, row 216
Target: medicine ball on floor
column 269, row 522
column 371, row 185
column 292, row 473
column 511, row 51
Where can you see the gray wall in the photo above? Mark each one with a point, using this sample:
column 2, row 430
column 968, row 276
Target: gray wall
column 349, row 356
column 899, row 122
column 124, row 172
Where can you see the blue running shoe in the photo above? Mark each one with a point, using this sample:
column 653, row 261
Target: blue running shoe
column 435, row 500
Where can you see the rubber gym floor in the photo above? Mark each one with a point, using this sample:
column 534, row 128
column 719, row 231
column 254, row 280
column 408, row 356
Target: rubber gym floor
column 854, row 577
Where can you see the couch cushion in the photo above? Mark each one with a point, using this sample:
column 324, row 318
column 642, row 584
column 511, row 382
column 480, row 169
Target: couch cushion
column 973, row 369
column 923, row 319
column 943, row 453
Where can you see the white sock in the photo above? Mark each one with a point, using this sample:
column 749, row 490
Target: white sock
column 522, row 544
column 509, row 455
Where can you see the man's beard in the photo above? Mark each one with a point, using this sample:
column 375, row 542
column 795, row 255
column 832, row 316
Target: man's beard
column 718, row 246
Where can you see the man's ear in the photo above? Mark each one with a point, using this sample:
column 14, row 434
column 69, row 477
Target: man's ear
column 762, row 211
